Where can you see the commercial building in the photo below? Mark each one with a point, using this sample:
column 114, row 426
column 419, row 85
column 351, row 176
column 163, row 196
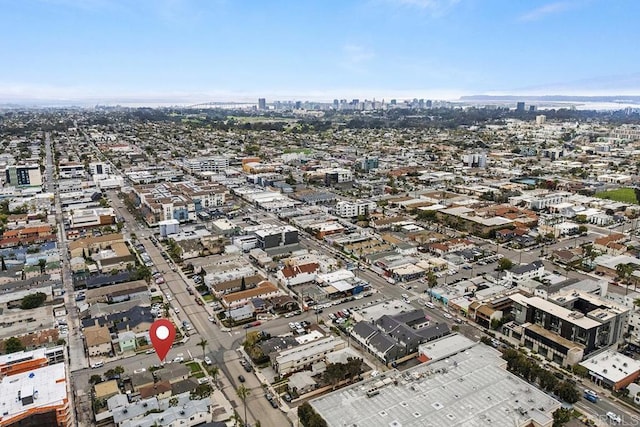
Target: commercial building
column 94, row 217
column 369, row 163
column 100, row 168
column 274, row 236
column 463, row 385
column 612, row 370
column 23, row 175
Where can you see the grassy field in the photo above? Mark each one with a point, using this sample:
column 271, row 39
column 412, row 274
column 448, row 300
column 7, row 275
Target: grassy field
column 625, row 195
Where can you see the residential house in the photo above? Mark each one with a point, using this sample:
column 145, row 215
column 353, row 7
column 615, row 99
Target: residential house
column 160, row 390
column 127, row 341
column 98, row 340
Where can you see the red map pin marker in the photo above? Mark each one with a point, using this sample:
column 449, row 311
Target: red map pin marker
column 162, row 334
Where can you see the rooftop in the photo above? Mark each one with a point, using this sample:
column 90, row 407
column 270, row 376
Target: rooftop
column 611, row 365
column 468, row 388
column 44, row 387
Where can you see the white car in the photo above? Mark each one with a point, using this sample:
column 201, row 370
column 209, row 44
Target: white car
column 614, row 417
column 447, row 315
column 139, row 371
column 208, row 361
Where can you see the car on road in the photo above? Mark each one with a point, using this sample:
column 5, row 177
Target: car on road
column 614, row 417
column 208, row 361
column 241, row 378
column 212, row 319
column 447, row 315
column 139, row 371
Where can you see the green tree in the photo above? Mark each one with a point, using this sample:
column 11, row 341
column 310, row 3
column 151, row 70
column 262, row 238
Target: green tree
column 567, row 392
column 119, row 370
column 173, row 402
column 309, row 417
column 243, row 393
column 505, row 264
column 580, row 370
column 561, row 416
column 95, row 379
column 33, row 300
column 13, row 345
column 432, row 282
column 42, row 263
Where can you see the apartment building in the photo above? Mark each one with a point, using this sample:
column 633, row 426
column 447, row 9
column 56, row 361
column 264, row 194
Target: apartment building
column 568, row 325
column 36, row 396
column 349, row 209
column 215, row 164
column 297, row 358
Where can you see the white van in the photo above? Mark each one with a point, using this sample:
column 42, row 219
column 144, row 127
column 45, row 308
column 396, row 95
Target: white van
column 429, row 304
column 99, row 364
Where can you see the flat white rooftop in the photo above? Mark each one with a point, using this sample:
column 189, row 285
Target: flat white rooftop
column 466, row 389
column 42, row 387
column 611, row 365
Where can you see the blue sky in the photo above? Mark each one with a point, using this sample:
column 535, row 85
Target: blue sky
column 315, row 49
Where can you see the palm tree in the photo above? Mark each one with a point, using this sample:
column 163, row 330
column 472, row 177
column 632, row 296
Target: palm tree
column 173, row 401
column 42, row 263
column 432, row 281
column 214, row 371
column 203, row 343
column 624, row 271
column 636, row 302
column 243, row 393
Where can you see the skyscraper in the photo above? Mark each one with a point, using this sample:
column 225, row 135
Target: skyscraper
column 520, row 106
column 262, row 104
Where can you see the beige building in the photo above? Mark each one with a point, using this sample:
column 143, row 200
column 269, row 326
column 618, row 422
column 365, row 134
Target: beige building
column 97, row 340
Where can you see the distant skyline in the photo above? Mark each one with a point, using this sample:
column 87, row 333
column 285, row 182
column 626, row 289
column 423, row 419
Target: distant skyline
column 190, row 51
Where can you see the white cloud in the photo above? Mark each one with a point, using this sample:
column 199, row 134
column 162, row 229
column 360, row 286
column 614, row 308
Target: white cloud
column 546, row 10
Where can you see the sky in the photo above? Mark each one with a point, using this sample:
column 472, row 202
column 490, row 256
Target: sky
column 221, row 50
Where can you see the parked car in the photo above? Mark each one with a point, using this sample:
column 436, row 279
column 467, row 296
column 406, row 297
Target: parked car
column 614, row 417
column 207, row 360
column 241, row 378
